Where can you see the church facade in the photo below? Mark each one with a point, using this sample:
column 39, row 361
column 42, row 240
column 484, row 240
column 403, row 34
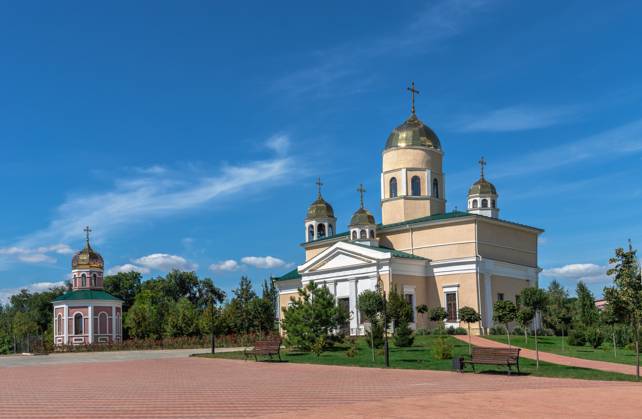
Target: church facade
column 432, row 257
column 87, row 314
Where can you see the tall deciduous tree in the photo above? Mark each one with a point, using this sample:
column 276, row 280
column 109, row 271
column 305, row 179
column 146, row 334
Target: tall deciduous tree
column 535, row 299
column 627, row 292
column 370, row 303
column 524, row 317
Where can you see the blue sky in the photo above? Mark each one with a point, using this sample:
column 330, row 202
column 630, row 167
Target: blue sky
column 189, row 134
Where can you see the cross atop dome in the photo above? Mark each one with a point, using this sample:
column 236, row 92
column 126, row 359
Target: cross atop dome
column 482, row 163
column 87, row 230
column 319, row 185
column 412, row 91
column 361, row 191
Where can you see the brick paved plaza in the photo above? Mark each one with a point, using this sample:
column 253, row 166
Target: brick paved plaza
column 193, row 387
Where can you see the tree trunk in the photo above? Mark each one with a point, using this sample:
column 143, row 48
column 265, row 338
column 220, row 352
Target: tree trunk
column 508, row 334
column 526, row 335
column 536, row 350
column 562, row 339
column 614, row 344
column 470, row 345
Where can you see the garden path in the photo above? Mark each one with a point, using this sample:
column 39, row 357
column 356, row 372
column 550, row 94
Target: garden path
column 554, row 358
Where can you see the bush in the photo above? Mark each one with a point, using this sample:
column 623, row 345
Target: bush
column 518, row 331
column 403, row 336
column 423, row 332
column 460, row 331
column 375, row 334
column 352, row 349
column 497, row 330
column 594, row 337
column 318, row 346
column 545, row 332
column 442, row 348
column 576, row 338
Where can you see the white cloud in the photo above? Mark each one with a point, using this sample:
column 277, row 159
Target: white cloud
column 40, row 254
column 165, row 262
column 264, row 262
column 127, row 267
column 586, row 272
column 517, row 118
column 279, row 144
column 6, row 293
column 226, row 265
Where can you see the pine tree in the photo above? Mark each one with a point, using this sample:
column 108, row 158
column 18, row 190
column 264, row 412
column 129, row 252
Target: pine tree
column 586, row 312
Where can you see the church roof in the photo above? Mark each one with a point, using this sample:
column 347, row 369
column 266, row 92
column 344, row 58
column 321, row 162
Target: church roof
column 293, row 274
column 87, row 258
column 86, row 295
column 320, row 208
column 482, row 187
column 362, row 217
column 413, row 133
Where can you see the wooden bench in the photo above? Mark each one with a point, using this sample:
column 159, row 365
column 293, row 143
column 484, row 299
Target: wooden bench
column 265, row 347
column 494, row 356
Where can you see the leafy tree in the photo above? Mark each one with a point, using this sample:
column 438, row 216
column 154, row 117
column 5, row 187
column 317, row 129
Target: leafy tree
column 613, row 314
column 124, row 285
column 398, row 308
column 146, row 317
column 524, row 317
column 504, row 312
column 438, row 314
column 422, row 309
column 468, row 315
column 370, row 303
column 586, row 312
column 240, row 306
column 626, row 292
column 534, row 299
column 182, row 319
column 312, row 315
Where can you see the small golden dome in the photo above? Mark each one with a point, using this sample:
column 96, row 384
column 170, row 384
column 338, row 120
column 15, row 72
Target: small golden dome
column 320, row 209
column 87, row 258
column 482, row 187
column 362, row 217
column 413, row 133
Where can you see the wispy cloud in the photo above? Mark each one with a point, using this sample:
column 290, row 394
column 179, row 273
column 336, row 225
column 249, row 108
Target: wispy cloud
column 165, row 262
column 153, row 193
column 517, row 118
column 260, row 262
column 586, row 272
column 35, row 255
column 6, row 293
column 344, row 69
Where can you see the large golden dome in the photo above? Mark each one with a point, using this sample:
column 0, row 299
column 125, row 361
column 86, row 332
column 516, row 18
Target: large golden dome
column 413, row 133
column 482, row 187
column 87, row 258
column 362, row 217
column 320, row 209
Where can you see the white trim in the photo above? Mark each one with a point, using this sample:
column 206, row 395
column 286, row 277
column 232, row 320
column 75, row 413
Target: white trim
column 66, row 327
column 90, row 314
column 404, row 177
column 428, row 183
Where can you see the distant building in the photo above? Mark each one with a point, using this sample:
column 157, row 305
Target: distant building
column 600, row 304
column 430, row 256
column 87, row 314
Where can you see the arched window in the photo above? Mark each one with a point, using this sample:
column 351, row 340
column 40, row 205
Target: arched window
column 330, row 230
column 78, row 324
column 435, row 188
column 372, row 234
column 310, row 232
column 59, row 326
column 475, row 203
column 493, row 204
column 84, row 280
column 354, row 234
column 320, row 231
column 102, row 323
column 393, row 187
column 484, row 203
column 415, row 186
column 363, row 234
column 93, row 280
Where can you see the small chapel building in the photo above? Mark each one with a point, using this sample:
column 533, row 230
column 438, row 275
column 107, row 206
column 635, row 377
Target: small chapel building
column 87, row 314
column 433, row 257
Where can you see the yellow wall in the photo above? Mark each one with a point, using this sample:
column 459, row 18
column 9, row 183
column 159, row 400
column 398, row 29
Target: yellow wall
column 507, row 243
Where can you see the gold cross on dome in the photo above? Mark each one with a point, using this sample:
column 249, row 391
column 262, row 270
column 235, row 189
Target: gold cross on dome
column 319, row 184
column 412, row 91
column 482, row 163
column 87, row 230
column 361, row 191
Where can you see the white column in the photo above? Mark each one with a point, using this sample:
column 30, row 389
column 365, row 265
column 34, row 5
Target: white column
column 404, row 182
column 91, row 323
column 354, row 323
column 488, row 301
column 428, row 184
column 113, row 323
column 65, row 316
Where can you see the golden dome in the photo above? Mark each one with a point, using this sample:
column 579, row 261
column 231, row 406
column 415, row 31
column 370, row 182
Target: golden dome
column 482, row 187
column 413, row 133
column 362, row 217
column 320, row 209
column 87, row 258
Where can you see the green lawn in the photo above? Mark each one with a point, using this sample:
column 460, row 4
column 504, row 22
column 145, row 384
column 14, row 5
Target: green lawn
column 419, row 356
column 553, row 344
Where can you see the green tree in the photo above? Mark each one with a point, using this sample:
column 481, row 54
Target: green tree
column 314, row 314
column 240, row 305
column 524, row 317
column 468, row 315
column 398, row 308
column 403, row 336
column 504, row 312
column 124, row 285
column 535, row 299
column 626, row 292
column 438, row 314
column 586, row 312
column 370, row 304
column 182, row 319
column 146, row 317
column 422, row 309
column 613, row 314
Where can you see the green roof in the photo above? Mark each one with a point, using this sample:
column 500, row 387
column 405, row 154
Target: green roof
column 293, row 274
column 86, row 295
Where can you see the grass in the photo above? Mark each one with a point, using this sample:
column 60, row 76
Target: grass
column 419, row 356
column 553, row 344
